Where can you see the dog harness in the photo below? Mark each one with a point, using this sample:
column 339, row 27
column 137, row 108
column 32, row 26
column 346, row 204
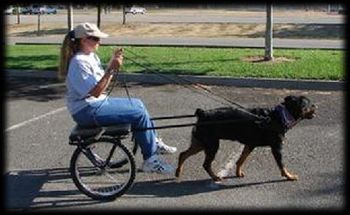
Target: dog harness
column 287, row 119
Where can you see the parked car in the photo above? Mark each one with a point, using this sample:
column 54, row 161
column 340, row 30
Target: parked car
column 50, row 10
column 36, row 10
column 134, row 10
column 43, row 10
column 26, row 10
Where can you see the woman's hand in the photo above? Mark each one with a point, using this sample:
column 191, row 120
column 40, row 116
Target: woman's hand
column 116, row 60
column 114, row 63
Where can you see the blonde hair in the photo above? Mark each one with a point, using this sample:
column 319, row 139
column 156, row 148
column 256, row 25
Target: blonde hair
column 68, row 49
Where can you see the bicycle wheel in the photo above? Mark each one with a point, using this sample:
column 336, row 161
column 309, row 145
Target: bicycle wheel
column 92, row 173
column 132, row 146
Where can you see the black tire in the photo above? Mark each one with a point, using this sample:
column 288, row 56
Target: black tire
column 132, row 146
column 96, row 181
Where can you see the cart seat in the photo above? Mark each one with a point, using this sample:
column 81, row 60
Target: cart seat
column 79, row 132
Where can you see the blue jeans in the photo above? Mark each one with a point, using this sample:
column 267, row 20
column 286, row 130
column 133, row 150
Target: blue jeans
column 113, row 111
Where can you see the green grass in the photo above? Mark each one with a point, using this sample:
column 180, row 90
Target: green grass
column 302, row 64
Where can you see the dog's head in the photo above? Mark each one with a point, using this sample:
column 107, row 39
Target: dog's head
column 300, row 107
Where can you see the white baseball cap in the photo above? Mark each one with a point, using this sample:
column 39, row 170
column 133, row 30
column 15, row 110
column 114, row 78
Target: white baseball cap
column 88, row 29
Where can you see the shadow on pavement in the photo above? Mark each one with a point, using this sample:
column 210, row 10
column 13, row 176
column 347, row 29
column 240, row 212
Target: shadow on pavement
column 36, row 89
column 53, row 188
column 24, row 190
column 171, row 188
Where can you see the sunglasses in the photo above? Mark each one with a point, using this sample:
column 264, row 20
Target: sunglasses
column 96, row 39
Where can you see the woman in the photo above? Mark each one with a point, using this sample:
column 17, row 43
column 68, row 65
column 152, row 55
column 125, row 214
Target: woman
column 87, row 102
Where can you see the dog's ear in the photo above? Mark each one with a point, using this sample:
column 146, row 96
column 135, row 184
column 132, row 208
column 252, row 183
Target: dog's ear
column 292, row 103
column 199, row 112
column 296, row 105
column 289, row 99
column 304, row 102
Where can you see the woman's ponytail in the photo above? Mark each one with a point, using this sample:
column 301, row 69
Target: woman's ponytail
column 68, row 49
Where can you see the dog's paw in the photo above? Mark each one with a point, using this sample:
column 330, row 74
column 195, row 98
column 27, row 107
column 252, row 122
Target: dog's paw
column 289, row 176
column 217, row 179
column 239, row 174
column 224, row 173
column 292, row 177
column 177, row 179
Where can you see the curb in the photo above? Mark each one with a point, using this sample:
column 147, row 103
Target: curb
column 237, row 82
column 206, row 80
column 198, row 42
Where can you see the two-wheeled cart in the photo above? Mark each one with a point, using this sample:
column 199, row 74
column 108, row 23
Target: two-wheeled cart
column 102, row 167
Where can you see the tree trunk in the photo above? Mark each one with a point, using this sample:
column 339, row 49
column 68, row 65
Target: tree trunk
column 38, row 32
column 124, row 15
column 268, row 33
column 99, row 15
column 70, row 17
column 18, row 15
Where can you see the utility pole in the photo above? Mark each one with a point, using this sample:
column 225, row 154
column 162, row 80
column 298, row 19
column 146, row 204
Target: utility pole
column 268, row 33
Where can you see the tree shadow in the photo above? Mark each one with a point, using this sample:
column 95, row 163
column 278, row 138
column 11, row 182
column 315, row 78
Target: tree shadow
column 56, row 31
column 305, row 31
column 30, row 62
column 35, row 89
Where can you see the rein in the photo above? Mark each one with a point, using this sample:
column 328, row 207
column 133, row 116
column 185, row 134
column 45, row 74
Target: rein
column 195, row 87
column 190, row 124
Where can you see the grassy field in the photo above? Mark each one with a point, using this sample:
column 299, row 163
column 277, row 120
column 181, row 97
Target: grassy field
column 233, row 62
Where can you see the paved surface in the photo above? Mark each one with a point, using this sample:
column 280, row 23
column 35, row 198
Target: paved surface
column 191, row 16
column 37, row 153
column 184, row 16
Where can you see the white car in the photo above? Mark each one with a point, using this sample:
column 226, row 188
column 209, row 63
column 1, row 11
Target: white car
column 9, row 10
column 51, row 10
column 36, row 10
column 135, row 10
column 44, row 10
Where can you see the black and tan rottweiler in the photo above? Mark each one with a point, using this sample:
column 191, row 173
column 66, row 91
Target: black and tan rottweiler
column 252, row 127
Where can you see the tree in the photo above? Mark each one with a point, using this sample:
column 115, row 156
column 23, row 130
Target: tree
column 70, row 17
column 18, row 12
column 268, row 33
column 38, row 32
column 124, row 14
column 98, row 15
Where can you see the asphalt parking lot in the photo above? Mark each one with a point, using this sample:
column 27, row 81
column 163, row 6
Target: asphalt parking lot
column 38, row 154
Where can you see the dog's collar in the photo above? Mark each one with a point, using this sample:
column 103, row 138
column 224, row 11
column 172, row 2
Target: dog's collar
column 288, row 120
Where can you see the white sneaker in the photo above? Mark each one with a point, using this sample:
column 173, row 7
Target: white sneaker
column 154, row 164
column 162, row 148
